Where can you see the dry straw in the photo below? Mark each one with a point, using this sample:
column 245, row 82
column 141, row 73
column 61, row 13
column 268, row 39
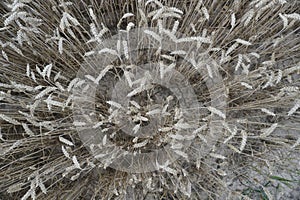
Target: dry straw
column 256, row 45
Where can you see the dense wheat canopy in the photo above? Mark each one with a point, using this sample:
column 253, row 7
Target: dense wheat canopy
column 157, row 99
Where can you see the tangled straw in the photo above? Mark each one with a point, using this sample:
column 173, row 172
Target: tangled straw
column 89, row 88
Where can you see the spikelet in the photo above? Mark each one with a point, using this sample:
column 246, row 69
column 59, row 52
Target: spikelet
column 27, row 130
column 139, row 90
column 248, row 86
column 169, row 34
column 174, row 9
column 171, row 15
column 93, row 29
column 45, row 92
column 268, row 112
column 60, row 45
column 65, row 152
column 243, row 42
column 171, row 58
column 247, row 17
column 177, row 137
column 291, row 69
column 156, row 14
column 15, row 188
column 22, row 87
column 128, row 78
column 13, row 146
column 93, row 16
column 181, row 153
column 270, row 80
column 179, row 52
column 153, row 34
column 59, row 86
column 193, row 27
column 279, row 76
column 284, row 20
column 214, row 155
column 294, row 16
column 103, row 72
column 165, row 129
column 175, row 27
column 5, row 55
column 9, row 119
column 115, row 104
column 15, row 48
column 104, row 140
column 255, row 54
column 65, row 141
column 268, row 131
column 209, row 70
column 233, row 20
column 129, row 26
column 47, row 70
column 141, row 144
column 205, row 12
column 136, row 128
column 198, row 6
column 191, row 39
column 76, row 163
column 126, row 15
column 239, row 62
column 72, row 83
column 180, row 125
column 234, row 148
column 244, row 140
column 107, row 50
column 230, row 137
column 125, row 46
column 200, row 129
column 64, row 23
column 217, row 112
column 294, row 108
column 231, row 48
column 267, row 192
column 296, row 143
column 154, row 1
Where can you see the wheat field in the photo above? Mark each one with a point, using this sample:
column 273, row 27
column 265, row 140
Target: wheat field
column 150, row 99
